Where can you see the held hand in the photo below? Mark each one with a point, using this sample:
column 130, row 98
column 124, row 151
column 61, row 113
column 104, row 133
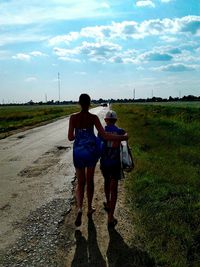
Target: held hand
column 125, row 136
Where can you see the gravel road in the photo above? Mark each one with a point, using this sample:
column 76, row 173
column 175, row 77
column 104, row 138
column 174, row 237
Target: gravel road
column 35, row 192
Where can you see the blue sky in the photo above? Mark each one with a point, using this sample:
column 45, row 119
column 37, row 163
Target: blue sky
column 104, row 48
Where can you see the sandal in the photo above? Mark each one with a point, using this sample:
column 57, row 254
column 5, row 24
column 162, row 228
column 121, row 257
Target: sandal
column 90, row 212
column 112, row 224
column 78, row 219
column 106, row 207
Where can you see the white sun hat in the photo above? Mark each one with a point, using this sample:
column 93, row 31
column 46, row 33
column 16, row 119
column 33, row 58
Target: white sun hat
column 111, row 115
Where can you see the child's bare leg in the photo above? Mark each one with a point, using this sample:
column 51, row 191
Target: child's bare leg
column 113, row 199
column 107, row 192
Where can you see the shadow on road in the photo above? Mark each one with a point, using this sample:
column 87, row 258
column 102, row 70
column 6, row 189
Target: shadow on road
column 87, row 252
column 80, row 256
column 120, row 254
column 94, row 254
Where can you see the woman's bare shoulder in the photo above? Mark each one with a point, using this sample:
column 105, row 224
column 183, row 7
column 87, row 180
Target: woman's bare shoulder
column 75, row 115
column 94, row 117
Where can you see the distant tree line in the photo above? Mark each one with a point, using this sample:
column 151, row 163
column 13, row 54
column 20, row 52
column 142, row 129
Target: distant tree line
column 101, row 101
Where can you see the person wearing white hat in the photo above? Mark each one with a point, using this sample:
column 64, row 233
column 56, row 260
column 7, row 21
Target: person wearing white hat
column 111, row 166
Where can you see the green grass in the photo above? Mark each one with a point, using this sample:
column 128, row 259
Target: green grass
column 164, row 189
column 15, row 117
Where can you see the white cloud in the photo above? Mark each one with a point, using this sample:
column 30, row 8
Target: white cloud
column 102, row 51
column 167, row 29
column 104, row 42
column 191, row 24
column 28, row 56
column 64, row 38
column 31, row 35
column 99, row 49
column 70, row 59
column 168, row 39
column 176, row 54
column 22, row 56
column 149, row 3
column 116, row 59
column 22, row 12
column 68, row 55
column 96, row 32
column 140, row 68
column 81, row 72
column 31, row 79
column 186, row 56
column 174, row 50
column 184, row 25
column 37, row 54
column 166, row 1
column 61, row 52
column 145, row 3
column 177, row 67
column 105, row 5
column 157, row 56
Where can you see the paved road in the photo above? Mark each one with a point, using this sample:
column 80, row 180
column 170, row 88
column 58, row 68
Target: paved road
column 35, row 168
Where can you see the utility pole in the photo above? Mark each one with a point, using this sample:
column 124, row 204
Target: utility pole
column 134, row 94
column 58, row 86
column 180, row 94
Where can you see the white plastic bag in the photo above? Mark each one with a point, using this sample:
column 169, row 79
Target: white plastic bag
column 127, row 163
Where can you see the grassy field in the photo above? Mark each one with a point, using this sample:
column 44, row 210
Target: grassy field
column 163, row 191
column 16, row 117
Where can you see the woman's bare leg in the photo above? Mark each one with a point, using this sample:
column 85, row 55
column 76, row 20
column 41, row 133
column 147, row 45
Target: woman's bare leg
column 90, row 186
column 80, row 173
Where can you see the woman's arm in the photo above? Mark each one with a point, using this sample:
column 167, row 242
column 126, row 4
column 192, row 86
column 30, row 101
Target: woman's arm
column 71, row 129
column 108, row 136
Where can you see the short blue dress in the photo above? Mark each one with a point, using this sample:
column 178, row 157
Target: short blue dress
column 86, row 148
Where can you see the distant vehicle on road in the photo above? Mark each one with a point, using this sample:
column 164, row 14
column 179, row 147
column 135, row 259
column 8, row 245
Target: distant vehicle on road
column 104, row 104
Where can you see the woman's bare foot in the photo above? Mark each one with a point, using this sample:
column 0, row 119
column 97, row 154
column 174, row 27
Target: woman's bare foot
column 106, row 206
column 78, row 219
column 112, row 223
column 90, row 212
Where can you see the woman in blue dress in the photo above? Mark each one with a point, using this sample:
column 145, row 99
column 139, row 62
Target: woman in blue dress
column 86, row 151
